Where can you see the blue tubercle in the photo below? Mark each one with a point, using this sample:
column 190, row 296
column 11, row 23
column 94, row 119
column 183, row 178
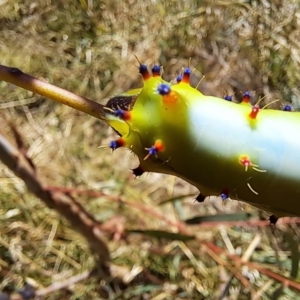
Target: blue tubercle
column 113, row 145
column 187, row 71
column 143, row 69
column 228, row 97
column 178, row 78
column 152, row 150
column 156, row 70
column 287, row 107
column 163, row 89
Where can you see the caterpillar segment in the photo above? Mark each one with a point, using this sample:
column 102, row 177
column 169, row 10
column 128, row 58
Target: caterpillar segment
column 211, row 143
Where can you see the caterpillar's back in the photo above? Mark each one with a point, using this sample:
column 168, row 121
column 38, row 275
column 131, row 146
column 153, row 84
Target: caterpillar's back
column 223, row 148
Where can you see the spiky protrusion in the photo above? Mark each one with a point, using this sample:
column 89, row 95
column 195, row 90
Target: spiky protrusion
column 228, row 97
column 156, row 70
column 254, row 112
column 246, row 98
column 164, row 89
column 186, row 75
column 143, row 69
column 117, row 144
column 225, row 194
column 287, row 107
column 245, row 161
column 179, row 78
column 122, row 114
column 153, row 150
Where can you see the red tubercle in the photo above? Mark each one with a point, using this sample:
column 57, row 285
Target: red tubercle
column 254, row 112
column 245, row 161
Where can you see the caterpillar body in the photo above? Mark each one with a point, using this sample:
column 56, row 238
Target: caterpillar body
column 223, row 148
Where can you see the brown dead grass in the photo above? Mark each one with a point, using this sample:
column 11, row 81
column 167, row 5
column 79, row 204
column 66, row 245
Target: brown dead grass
column 88, row 47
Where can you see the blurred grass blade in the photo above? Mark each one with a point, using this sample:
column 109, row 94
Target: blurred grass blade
column 293, row 243
column 140, row 289
column 174, row 199
column 243, row 216
column 278, row 292
column 161, row 234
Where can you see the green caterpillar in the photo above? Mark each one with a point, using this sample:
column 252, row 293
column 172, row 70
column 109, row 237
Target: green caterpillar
column 223, row 148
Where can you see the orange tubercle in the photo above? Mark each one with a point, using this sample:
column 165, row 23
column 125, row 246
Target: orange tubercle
column 159, row 145
column 170, row 98
column 166, row 92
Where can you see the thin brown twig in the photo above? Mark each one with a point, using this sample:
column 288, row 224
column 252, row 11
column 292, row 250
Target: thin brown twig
column 246, row 256
column 25, row 81
column 115, row 271
column 56, row 286
column 79, row 218
column 146, row 209
column 181, row 227
column 238, row 260
column 233, row 269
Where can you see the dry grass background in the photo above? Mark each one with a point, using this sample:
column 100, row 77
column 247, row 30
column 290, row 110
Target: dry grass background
column 88, row 47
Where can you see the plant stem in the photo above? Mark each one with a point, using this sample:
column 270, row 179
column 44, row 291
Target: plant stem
column 27, row 82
